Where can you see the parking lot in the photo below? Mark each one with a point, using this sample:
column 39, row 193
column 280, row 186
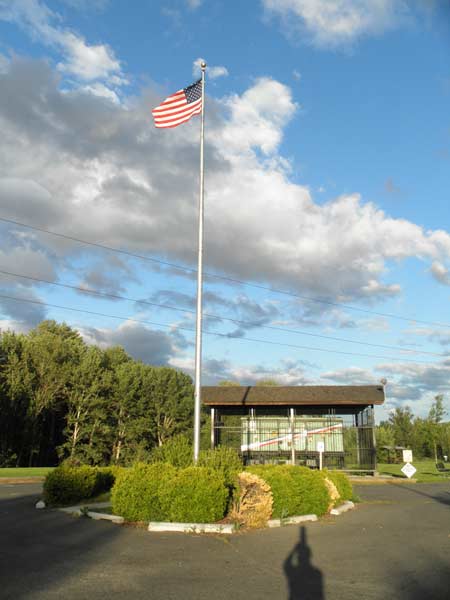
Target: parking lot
column 395, row 544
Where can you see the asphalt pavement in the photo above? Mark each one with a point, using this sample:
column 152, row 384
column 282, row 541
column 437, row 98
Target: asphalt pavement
column 394, row 545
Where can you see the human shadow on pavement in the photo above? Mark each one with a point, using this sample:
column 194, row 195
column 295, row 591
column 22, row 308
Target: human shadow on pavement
column 305, row 581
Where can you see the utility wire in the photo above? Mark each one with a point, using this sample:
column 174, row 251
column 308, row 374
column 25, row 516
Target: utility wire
column 218, row 317
column 225, row 278
column 246, row 339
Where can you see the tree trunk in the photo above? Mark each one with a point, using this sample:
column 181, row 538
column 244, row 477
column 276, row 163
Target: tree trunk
column 91, row 437
column 76, row 431
column 118, row 448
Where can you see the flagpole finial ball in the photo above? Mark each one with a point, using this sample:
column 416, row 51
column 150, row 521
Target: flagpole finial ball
column 203, row 65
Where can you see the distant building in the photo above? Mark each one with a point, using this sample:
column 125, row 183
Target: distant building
column 290, row 424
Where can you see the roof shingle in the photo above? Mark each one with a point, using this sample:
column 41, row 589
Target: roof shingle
column 307, row 395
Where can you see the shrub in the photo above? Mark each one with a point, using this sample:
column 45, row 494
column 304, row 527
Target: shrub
column 225, row 460
column 194, row 494
column 106, row 476
column 66, row 485
column 342, row 482
column 177, row 451
column 296, row 490
column 136, row 492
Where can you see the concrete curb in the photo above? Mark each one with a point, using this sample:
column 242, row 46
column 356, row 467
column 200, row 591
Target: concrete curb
column 380, row 480
column 77, row 508
column 348, row 505
column 96, row 516
column 78, row 511
column 191, row 527
column 291, row 520
column 19, row 480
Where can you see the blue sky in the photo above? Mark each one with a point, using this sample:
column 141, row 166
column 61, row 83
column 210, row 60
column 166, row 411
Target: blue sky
column 327, row 177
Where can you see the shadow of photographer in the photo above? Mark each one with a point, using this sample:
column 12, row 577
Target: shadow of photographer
column 305, row 581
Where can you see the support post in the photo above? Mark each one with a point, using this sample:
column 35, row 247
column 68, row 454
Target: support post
column 292, row 422
column 198, row 329
column 213, row 424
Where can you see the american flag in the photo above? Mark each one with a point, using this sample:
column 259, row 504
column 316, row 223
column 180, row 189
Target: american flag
column 179, row 107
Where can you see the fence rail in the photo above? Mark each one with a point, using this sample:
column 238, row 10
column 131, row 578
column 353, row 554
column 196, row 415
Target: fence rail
column 271, row 440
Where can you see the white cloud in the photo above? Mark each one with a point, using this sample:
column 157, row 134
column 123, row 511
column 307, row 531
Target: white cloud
column 84, row 61
column 211, row 72
column 142, row 343
column 194, row 4
column 409, row 384
column 441, row 336
column 100, row 171
column 98, row 89
column 332, row 23
column 257, row 118
column 87, row 62
column 440, row 273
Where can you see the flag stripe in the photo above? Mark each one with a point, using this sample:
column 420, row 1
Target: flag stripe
column 178, row 111
column 169, row 105
column 175, row 109
column 176, row 117
column 179, row 107
column 175, row 122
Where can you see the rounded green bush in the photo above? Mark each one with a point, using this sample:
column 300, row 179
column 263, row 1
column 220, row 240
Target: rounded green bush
column 225, row 460
column 296, row 490
column 177, row 451
column 66, row 485
column 195, row 494
column 106, row 477
column 342, row 483
column 136, row 492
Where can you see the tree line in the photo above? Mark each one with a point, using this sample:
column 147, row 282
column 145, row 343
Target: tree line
column 63, row 399
column 428, row 437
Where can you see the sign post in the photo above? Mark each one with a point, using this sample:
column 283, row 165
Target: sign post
column 320, row 450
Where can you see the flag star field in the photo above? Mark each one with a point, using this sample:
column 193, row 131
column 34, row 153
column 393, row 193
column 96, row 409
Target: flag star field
column 327, row 178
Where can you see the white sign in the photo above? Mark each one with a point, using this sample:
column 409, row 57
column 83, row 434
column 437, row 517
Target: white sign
column 320, row 446
column 409, row 470
column 407, row 456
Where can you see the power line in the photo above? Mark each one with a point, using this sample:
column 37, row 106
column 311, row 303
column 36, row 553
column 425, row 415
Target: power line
column 246, row 339
column 224, row 277
column 219, row 317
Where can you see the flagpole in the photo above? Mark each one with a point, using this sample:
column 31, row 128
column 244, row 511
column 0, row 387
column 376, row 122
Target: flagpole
column 198, row 332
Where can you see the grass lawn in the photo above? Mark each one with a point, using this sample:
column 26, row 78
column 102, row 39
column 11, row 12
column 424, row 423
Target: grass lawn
column 25, row 472
column 426, row 471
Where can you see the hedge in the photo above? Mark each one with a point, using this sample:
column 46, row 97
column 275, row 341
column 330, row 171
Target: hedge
column 177, row 451
column 296, row 490
column 67, row 485
column 195, row 494
column 342, row 483
column 225, row 460
column 162, row 492
column 136, row 492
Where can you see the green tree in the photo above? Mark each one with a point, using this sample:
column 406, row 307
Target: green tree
column 50, row 354
column 267, row 383
column 90, row 389
column 435, row 416
column 384, row 438
column 128, row 405
column 171, row 398
column 401, row 422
